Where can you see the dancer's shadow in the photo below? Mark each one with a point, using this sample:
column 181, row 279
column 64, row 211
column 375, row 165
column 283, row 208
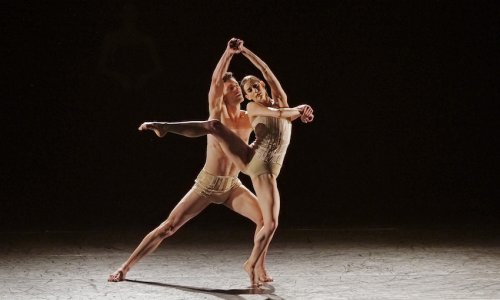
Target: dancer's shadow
column 229, row 294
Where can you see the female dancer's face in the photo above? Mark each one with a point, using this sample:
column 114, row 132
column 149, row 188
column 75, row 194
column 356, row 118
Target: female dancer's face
column 255, row 91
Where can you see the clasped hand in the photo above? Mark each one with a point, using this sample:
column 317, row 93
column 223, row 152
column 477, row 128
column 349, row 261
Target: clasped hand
column 306, row 113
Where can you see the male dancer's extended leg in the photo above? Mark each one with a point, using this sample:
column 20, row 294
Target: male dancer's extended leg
column 188, row 129
column 190, row 206
column 234, row 147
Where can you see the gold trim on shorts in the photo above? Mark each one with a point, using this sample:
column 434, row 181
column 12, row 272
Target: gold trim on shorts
column 208, row 185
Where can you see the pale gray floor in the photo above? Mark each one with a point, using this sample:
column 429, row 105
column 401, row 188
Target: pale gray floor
column 207, row 264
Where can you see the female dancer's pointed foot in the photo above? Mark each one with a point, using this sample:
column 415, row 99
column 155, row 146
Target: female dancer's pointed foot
column 252, row 275
column 157, row 127
column 265, row 278
column 117, row 276
column 262, row 275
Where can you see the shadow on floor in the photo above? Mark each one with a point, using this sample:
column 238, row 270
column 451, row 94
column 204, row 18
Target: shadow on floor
column 230, row 294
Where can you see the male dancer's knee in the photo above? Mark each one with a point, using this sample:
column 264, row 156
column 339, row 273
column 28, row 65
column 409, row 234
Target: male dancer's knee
column 214, row 126
column 259, row 222
column 165, row 230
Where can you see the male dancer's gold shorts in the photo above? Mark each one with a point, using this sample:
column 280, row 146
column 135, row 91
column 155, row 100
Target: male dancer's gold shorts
column 218, row 187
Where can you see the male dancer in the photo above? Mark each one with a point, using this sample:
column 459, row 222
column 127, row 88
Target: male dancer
column 217, row 182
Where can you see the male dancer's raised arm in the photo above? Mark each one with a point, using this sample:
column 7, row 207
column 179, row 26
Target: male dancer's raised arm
column 215, row 101
column 216, row 92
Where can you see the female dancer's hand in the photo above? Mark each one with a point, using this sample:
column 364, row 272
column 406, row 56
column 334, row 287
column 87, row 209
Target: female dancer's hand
column 307, row 118
column 306, row 113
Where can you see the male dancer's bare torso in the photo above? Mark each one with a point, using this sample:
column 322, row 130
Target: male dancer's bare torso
column 217, row 162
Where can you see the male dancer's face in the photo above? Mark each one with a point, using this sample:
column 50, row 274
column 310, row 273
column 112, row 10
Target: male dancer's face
column 232, row 92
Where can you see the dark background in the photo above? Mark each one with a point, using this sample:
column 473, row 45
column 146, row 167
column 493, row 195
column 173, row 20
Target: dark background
column 405, row 96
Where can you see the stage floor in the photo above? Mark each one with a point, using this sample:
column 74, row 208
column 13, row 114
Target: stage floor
column 365, row 263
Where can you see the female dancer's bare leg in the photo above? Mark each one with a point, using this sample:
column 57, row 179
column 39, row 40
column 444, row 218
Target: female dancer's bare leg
column 269, row 200
column 245, row 203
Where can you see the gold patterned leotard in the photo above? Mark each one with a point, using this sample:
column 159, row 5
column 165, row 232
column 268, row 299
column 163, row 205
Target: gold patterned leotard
column 272, row 137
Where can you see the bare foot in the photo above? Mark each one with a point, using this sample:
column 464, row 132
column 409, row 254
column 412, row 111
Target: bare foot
column 251, row 274
column 118, row 275
column 157, row 127
column 262, row 275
